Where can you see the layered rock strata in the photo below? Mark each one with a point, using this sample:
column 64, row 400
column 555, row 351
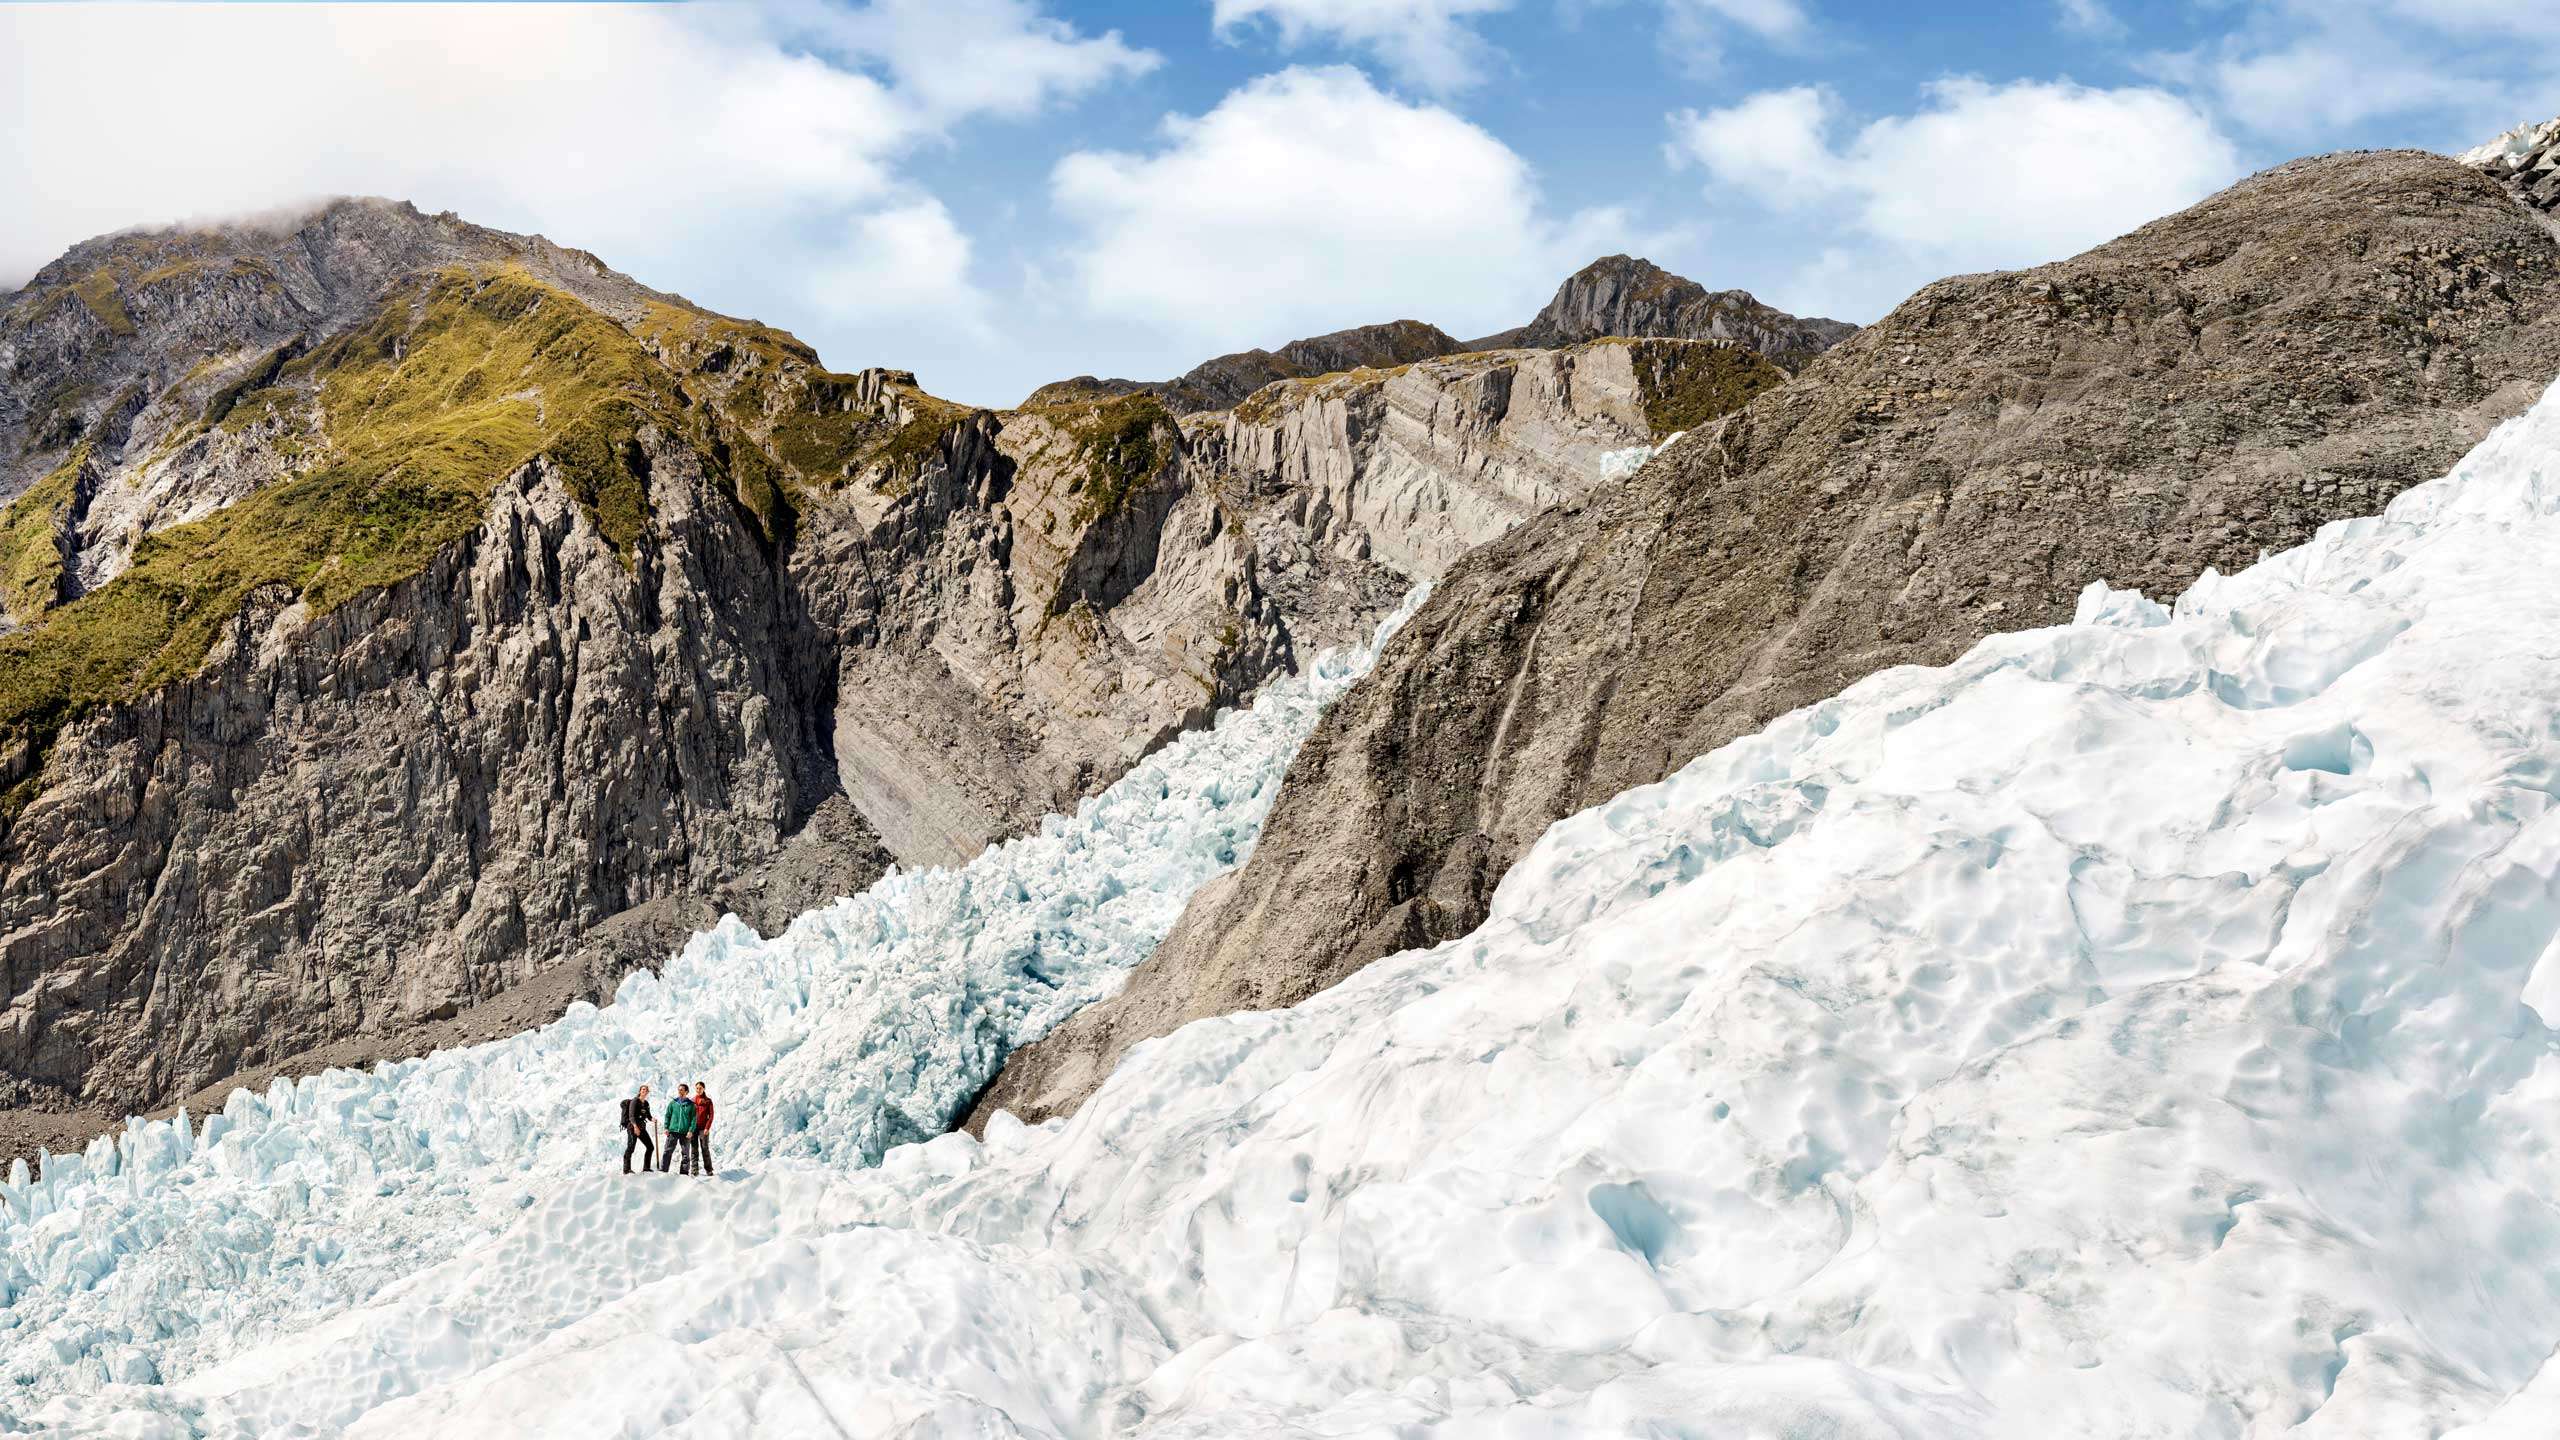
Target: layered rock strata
column 2220, row 383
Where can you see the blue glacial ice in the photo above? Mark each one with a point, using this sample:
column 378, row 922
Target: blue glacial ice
column 2139, row 1027
column 866, row 1023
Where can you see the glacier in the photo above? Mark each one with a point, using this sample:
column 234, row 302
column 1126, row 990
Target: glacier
column 2140, row 1027
column 867, row 1022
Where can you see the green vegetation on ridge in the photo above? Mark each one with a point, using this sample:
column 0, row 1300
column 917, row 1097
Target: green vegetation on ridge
column 1127, row 441
column 425, row 410
column 31, row 540
column 1687, row 383
column 97, row 290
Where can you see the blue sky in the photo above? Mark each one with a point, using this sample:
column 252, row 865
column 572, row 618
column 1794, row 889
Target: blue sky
column 995, row 193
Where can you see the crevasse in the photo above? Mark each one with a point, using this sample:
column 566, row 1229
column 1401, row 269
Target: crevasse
column 867, row 1022
column 2134, row 1028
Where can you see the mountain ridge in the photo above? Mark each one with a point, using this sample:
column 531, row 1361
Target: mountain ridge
column 398, row 611
column 1625, row 295
column 1615, row 296
column 2291, row 351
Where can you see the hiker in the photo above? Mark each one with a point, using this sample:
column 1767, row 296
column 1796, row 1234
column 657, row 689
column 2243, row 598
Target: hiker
column 702, row 1127
column 679, row 1133
column 635, row 1124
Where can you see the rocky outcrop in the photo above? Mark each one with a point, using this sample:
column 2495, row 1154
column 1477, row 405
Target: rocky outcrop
column 2527, row 160
column 129, row 339
column 1616, row 296
column 403, row 610
column 1622, row 295
column 2295, row 350
column 1223, row 382
column 424, row 795
column 1066, row 587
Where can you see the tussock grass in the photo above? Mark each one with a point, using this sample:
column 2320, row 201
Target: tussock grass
column 445, row 392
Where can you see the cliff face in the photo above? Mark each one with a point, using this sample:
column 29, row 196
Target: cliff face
column 1622, row 295
column 1413, row 467
column 1077, row 583
column 417, row 798
column 398, row 609
column 2295, row 350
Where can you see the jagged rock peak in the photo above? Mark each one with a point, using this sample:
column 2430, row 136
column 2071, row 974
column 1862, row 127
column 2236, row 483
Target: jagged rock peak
column 1625, row 295
column 1220, row 383
column 2527, row 160
column 339, row 250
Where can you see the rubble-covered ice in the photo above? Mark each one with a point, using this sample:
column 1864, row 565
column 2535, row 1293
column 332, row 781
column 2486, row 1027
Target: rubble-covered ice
column 869, row 1021
column 2136, row 1028
column 1616, row 465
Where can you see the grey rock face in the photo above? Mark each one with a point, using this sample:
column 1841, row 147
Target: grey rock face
column 1622, row 295
column 545, row 754
column 2220, row 383
column 1018, row 650
column 417, row 799
column 1225, row 381
column 1413, row 467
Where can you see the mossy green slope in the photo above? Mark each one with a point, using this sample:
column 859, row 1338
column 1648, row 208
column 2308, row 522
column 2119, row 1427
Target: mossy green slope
column 770, row 386
column 455, row 384
column 1126, row 441
column 31, row 541
column 1687, row 383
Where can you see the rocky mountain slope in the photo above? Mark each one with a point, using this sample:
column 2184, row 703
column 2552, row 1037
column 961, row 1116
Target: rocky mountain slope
column 2294, row 350
column 1622, row 295
column 400, row 609
column 1221, row 383
column 1616, row 296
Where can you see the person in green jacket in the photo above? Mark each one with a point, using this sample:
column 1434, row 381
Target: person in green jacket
column 679, row 1127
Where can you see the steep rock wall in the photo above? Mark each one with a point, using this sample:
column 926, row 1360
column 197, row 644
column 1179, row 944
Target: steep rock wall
column 414, row 800
column 2222, row 382
column 800, row 625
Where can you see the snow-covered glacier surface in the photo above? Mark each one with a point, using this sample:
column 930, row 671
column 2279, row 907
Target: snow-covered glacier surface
column 868, row 1022
column 2135, row 1028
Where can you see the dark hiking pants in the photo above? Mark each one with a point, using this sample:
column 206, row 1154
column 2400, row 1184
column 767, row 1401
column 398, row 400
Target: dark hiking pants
column 702, row 1150
column 648, row 1151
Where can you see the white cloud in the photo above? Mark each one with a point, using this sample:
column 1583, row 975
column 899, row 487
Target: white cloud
column 728, row 152
column 600, row 121
column 1695, row 30
column 1981, row 177
column 1427, row 43
column 2312, row 86
column 955, row 58
column 2091, row 18
column 1308, row 200
column 2312, row 73
column 1771, row 144
column 908, row 262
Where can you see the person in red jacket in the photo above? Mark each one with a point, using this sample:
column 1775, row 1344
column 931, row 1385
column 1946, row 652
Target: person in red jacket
column 702, row 1127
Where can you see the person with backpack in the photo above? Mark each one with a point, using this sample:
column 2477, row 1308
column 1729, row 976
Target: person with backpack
column 679, row 1133
column 635, row 1125
column 702, row 1127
